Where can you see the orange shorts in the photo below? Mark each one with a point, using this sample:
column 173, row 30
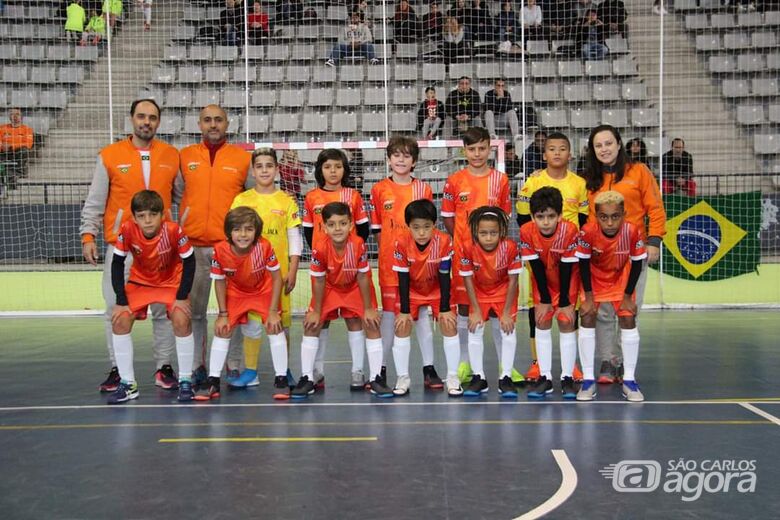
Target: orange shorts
column 344, row 304
column 139, row 297
column 239, row 306
column 497, row 308
column 415, row 305
column 389, row 295
column 619, row 313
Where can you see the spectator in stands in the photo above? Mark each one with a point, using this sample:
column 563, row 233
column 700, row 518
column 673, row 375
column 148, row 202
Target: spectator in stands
column 498, row 106
column 288, row 11
column 355, row 40
column 291, row 174
column 507, row 24
column 231, row 23
column 459, row 11
column 75, row 19
column 613, row 14
column 146, row 7
column 404, row 23
column 455, row 41
column 16, row 143
column 559, row 19
column 583, row 6
column 112, row 9
column 430, row 115
column 464, row 106
column 534, row 154
column 677, row 170
column 95, row 30
column 512, row 164
column 258, row 24
column 637, row 151
column 591, row 37
column 480, row 23
column 531, row 18
column 432, row 23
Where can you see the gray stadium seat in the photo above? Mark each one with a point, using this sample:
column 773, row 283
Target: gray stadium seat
column 285, row 123
column 206, row 96
column 212, row 13
column 323, row 74
column 516, row 91
column 151, row 93
column 488, row 70
column 35, row 52
column 774, row 113
column 348, row 97
column 284, row 33
column 23, row 31
column 405, row 72
column 234, row 98
column 554, row 118
column 254, row 123
column 178, row 98
column 546, row 92
column 70, row 75
column 60, row 53
column 164, row 74
column 226, row 53
column 8, row 52
column 406, row 51
column 241, row 74
column 337, row 13
column 193, row 13
column 307, row 32
column 458, row 70
column 377, row 74
column 3, row 97
column 722, row 21
column 750, row 114
column 85, row 54
column 763, row 40
column 14, row 12
column 736, row 41
column 433, row 72
column 271, row 74
column 277, row 52
column 352, row 73
column 372, row 122
column 722, row 64
column 624, row 66
column 24, row 98
column 634, row 91
column 544, row 69
column 598, row 68
column 405, row 96
column 175, row 53
column 576, row 92
column 644, row 117
column 39, row 124
column 290, row 98
column 331, row 32
column 682, row 6
column 766, row 144
column 773, row 61
column 190, row 74
column 315, row 123
column 733, row 88
column 298, row 74
column 302, row 52
column 15, row 74
column 263, row 98
column 708, row 42
column 403, row 121
column 200, row 53
column 183, row 33
column 512, row 70
column 170, row 125
column 537, row 48
column 605, row 92
column 750, row 19
column 253, row 53
column 656, row 147
column 750, row 62
column 344, row 123
column 617, row 45
column 53, row 99
column 583, row 118
column 374, row 96
column 50, row 32
column 571, row 69
column 320, row 97
column 617, row 117
column 772, row 18
column 765, row 87
column 45, row 75
column 695, row 22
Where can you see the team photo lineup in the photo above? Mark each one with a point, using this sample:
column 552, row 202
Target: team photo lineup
column 582, row 242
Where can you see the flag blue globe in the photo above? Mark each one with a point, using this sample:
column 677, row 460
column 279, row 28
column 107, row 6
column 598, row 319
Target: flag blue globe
column 698, row 238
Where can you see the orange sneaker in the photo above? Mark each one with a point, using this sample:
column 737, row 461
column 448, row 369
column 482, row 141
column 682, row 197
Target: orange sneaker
column 533, row 371
column 606, row 374
column 577, row 374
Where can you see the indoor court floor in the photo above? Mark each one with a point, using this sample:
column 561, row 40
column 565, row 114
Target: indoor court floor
column 705, row 444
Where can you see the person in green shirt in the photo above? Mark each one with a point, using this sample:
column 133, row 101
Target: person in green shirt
column 96, row 28
column 75, row 19
column 113, row 10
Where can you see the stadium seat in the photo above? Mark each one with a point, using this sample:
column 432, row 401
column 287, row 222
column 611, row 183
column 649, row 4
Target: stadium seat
column 765, row 87
column 433, row 72
column 546, row 92
column 242, row 74
column 279, row 52
column 225, row 53
column 571, row 69
column 488, row 70
column 772, row 18
column 170, row 125
column 289, row 98
column 544, row 69
column 708, row 42
column 216, row 74
column 205, row 96
column 773, row 61
column 70, row 75
column 178, row 98
column 403, row 121
column 24, row 98
column 516, row 91
column 59, row 53
column 285, row 122
column 750, row 114
column 270, row 74
column 163, row 75
column 375, row 74
column 406, row 51
column 200, row 53
column 774, row 113
column 554, row 118
column 15, row 74
column 763, row 40
column 634, row 91
column 263, row 98
column 405, row 72
column 656, row 147
column 302, row 52
column 32, row 52
column 320, row 97
column 617, row 45
column 372, row 122
column 86, row 54
column 405, row 96
column 344, row 123
column 539, row 48
column 191, row 124
column 696, row 22
column 50, row 32
column 644, row 117
column 348, row 97
column 323, row 74
column 681, row 6
column 722, row 21
column 737, row 41
column 43, row 74
column 253, row 53
column 14, row 12
column 175, row 53
column 212, row 13
column 598, row 68
column 583, row 118
column 307, row 33
column 284, row 33
column 734, row 88
column 39, row 124
column 183, row 33
column 315, row 123
column 512, row 70
column 606, row 92
column 352, row 73
column 750, row 63
column 766, row 144
column 332, row 32
column 234, row 98
column 298, row 74
column 624, row 66
column 576, row 92
column 750, row 19
column 617, row 117
column 722, row 64
column 374, row 96
column 254, row 124
column 190, row 74
column 458, row 70
column 337, row 14
column 193, row 13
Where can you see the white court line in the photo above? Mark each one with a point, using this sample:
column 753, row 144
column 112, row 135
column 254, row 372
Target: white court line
column 375, row 403
column 762, row 413
column 565, row 490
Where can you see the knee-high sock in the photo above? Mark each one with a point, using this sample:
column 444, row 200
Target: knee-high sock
column 463, row 338
column 630, row 340
column 476, row 350
column 123, row 353
column 357, row 345
column 587, row 344
column 401, row 348
column 309, row 348
column 278, row 345
column 219, row 352
column 452, row 354
column 568, row 353
column 508, row 347
column 544, row 352
column 387, row 330
column 251, row 352
column 425, row 336
column 374, row 351
column 319, row 359
column 185, row 352
column 495, row 328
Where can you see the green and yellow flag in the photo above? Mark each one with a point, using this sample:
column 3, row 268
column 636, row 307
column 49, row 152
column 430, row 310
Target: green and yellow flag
column 712, row 238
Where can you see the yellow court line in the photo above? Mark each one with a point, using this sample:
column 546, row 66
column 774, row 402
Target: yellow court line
column 269, row 439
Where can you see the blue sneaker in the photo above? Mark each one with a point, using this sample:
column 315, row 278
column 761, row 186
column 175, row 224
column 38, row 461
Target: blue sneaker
column 232, row 375
column 247, row 378
column 185, row 391
column 587, row 390
column 506, row 387
column 124, row 392
column 379, row 388
column 541, row 388
column 568, row 388
column 632, row 392
column 476, row 387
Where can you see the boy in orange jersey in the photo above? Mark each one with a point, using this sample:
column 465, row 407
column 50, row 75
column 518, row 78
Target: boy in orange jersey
column 611, row 251
column 156, row 276
column 341, row 286
column 248, row 286
column 476, row 185
column 389, row 198
column 548, row 243
column 422, row 261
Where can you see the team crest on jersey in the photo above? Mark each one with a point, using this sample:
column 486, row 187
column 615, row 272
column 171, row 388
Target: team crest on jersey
column 397, row 255
column 640, row 244
column 447, row 196
column 192, row 166
column 318, row 210
column 123, row 168
column 464, row 197
column 182, row 241
column 314, row 260
column 388, row 205
column 229, row 272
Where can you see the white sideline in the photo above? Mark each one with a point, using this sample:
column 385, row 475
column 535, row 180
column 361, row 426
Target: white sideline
column 758, row 411
column 565, row 490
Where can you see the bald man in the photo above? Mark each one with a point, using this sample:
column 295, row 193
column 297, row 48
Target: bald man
column 212, row 173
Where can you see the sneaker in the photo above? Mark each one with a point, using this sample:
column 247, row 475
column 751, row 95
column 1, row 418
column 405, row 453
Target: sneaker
column 166, row 378
column 281, row 388
column 232, row 376
column 632, row 392
column 208, row 390
column 358, row 381
column 319, row 380
column 506, row 388
column 383, row 374
column 330, row 63
column 199, row 376
column 517, row 378
column 606, row 373
column 477, row 386
column 431, row 379
column 576, row 374
column 533, row 372
column 464, row 372
column 540, row 390
column 185, row 391
column 380, row 389
column 453, row 386
column 112, row 381
column 291, row 382
column 247, row 378
column 402, row 385
column 568, row 388
column 303, row 389
column 374, row 61
column 124, row 392
column 619, row 373
column 587, row 390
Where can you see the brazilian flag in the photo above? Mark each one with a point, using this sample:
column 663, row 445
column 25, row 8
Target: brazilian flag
column 712, row 238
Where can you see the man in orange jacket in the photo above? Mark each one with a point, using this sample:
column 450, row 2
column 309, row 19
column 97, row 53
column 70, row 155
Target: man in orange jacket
column 16, row 142
column 124, row 168
column 213, row 172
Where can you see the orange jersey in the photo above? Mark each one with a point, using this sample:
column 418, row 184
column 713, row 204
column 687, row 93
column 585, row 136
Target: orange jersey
column 552, row 250
column 386, row 210
column 422, row 266
column 339, row 269
column 610, row 258
column 16, row 137
column 317, row 198
column 465, row 192
column 490, row 270
column 248, row 274
column 156, row 260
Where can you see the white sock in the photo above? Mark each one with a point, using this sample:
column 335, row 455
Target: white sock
column 508, row 347
column 568, row 353
column 374, row 351
column 123, row 352
column 629, row 339
column 452, row 354
column 544, row 352
column 309, row 349
column 587, row 344
column 463, row 338
column 185, row 354
column 401, row 348
column 278, row 344
column 219, row 352
column 476, row 349
column 319, row 359
column 424, row 336
column 387, row 330
column 495, row 327
column 357, row 345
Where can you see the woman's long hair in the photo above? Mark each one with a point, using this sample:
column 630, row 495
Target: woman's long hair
column 594, row 169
